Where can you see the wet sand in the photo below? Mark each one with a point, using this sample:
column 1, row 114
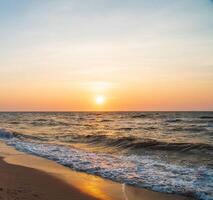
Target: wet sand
column 22, row 183
column 27, row 177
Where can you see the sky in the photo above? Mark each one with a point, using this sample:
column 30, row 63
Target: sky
column 136, row 54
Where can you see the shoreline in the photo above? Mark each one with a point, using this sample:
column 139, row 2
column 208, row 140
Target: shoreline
column 33, row 177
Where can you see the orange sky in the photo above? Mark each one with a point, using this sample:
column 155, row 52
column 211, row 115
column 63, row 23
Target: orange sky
column 60, row 55
column 65, row 97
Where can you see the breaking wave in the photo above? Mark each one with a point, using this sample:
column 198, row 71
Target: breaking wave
column 142, row 171
column 127, row 143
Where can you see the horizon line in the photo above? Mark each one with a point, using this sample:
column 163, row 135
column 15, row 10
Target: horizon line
column 52, row 111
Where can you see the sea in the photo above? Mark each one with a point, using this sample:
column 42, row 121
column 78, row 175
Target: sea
column 169, row 152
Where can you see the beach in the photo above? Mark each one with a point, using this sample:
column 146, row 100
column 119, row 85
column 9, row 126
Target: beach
column 102, row 155
column 30, row 177
column 106, row 100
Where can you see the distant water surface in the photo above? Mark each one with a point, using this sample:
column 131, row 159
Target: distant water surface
column 164, row 151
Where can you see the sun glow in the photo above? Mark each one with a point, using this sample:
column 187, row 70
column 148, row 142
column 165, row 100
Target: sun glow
column 100, row 99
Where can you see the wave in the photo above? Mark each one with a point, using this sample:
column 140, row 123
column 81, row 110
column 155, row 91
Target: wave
column 139, row 116
column 126, row 143
column 141, row 171
column 147, row 171
column 106, row 120
column 14, row 122
column 44, row 122
column 206, row 117
column 124, row 129
column 41, row 120
column 150, row 128
column 133, row 143
column 7, row 134
column 173, row 120
column 192, row 129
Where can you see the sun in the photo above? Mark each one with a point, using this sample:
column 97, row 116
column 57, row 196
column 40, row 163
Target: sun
column 100, row 99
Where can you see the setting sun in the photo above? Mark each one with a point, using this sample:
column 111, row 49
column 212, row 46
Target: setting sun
column 100, row 99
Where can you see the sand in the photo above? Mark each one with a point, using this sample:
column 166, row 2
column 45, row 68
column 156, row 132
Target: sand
column 24, row 183
column 27, row 177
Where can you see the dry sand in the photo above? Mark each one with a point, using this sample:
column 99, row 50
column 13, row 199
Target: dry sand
column 27, row 177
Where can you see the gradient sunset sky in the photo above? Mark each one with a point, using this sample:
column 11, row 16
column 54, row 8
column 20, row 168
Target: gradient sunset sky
column 60, row 55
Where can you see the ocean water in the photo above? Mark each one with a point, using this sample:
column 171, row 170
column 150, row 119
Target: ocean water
column 169, row 152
